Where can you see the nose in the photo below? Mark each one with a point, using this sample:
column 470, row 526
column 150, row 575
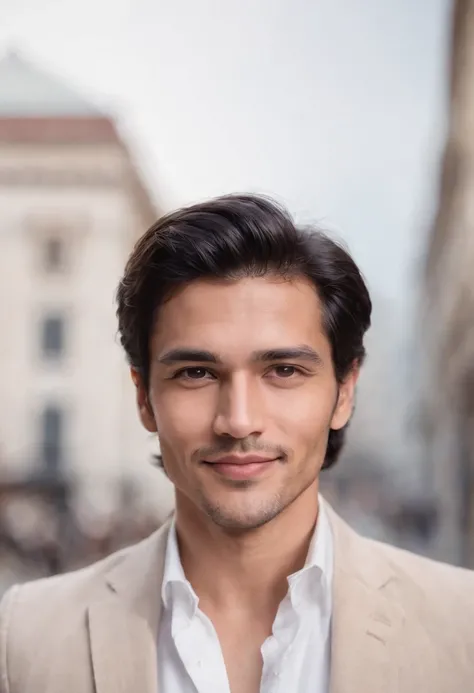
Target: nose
column 239, row 413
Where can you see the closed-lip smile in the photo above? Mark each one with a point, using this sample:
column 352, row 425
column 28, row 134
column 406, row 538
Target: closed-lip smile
column 241, row 466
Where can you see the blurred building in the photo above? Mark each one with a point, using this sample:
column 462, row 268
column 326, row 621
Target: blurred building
column 72, row 203
column 448, row 330
column 378, row 485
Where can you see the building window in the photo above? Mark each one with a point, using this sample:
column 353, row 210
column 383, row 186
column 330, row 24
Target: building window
column 52, row 439
column 52, row 337
column 53, row 254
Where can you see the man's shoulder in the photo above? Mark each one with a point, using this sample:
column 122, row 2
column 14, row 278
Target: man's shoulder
column 419, row 568
column 427, row 587
column 386, row 564
column 65, row 585
column 60, row 596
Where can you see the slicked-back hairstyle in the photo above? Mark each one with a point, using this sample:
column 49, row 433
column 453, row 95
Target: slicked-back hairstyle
column 239, row 236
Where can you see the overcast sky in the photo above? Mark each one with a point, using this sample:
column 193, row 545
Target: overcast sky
column 334, row 106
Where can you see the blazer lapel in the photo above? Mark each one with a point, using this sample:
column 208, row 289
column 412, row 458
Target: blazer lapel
column 123, row 625
column 366, row 625
column 123, row 650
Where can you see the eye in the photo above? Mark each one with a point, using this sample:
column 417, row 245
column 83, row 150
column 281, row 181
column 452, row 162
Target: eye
column 286, row 371
column 193, row 373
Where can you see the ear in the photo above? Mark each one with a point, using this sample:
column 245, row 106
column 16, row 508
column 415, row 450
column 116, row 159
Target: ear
column 143, row 403
column 345, row 401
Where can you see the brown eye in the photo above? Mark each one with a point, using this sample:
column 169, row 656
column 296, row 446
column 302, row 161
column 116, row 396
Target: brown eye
column 194, row 373
column 285, row 371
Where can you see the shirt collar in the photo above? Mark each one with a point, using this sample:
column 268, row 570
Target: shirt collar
column 174, row 577
column 314, row 580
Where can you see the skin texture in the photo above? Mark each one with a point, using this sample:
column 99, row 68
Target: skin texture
column 240, row 538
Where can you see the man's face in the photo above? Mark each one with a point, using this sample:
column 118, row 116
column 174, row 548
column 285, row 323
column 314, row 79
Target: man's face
column 243, row 394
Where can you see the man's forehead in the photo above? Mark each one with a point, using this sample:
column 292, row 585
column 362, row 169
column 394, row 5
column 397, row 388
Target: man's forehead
column 240, row 317
column 254, row 296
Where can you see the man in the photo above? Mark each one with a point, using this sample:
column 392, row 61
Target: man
column 245, row 339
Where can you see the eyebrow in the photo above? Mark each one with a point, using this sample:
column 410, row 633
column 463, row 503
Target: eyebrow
column 193, row 355
column 302, row 352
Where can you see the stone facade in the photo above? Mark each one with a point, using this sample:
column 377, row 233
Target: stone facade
column 72, row 204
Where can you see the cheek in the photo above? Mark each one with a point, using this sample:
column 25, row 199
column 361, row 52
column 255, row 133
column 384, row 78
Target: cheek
column 182, row 417
column 304, row 414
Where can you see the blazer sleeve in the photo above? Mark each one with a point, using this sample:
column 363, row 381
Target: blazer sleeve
column 6, row 610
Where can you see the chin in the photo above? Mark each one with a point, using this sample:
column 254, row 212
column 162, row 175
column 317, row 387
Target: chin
column 241, row 519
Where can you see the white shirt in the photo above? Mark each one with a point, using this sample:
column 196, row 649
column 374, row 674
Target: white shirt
column 296, row 656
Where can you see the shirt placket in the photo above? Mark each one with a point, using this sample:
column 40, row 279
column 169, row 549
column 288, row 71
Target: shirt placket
column 201, row 655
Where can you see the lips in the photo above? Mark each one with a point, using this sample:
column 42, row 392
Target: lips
column 242, row 467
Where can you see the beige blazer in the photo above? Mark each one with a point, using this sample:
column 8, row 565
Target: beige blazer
column 400, row 624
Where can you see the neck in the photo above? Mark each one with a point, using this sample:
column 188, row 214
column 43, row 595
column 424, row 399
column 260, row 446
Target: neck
column 248, row 569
